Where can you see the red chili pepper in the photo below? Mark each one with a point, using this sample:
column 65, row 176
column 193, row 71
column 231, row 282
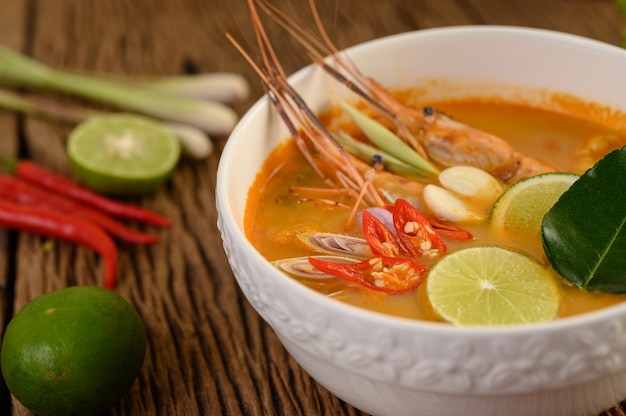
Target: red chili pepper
column 45, row 178
column 381, row 240
column 417, row 236
column 54, row 224
column 451, row 231
column 25, row 193
column 384, row 274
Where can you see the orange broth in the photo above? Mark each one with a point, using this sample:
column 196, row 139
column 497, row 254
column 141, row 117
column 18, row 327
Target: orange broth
column 274, row 215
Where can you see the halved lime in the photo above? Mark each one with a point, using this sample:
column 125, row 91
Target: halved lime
column 522, row 207
column 122, row 154
column 490, row 286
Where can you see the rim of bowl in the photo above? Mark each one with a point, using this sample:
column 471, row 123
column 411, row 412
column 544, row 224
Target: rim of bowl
column 587, row 318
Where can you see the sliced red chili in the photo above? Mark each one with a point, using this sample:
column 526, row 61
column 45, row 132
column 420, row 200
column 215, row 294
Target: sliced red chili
column 381, row 240
column 451, row 231
column 415, row 233
column 384, row 274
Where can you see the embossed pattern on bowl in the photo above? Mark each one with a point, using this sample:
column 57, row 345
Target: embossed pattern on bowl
column 393, row 366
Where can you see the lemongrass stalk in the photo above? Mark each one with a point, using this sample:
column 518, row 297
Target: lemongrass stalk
column 212, row 117
column 385, row 139
column 300, row 266
column 367, row 153
column 194, row 142
column 223, row 87
column 13, row 102
column 43, row 109
column 334, row 244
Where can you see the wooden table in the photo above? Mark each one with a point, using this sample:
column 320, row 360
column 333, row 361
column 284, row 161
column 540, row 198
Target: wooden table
column 209, row 353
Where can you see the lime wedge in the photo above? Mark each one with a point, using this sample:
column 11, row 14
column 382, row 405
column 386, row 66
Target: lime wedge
column 522, row 207
column 122, row 154
column 490, row 286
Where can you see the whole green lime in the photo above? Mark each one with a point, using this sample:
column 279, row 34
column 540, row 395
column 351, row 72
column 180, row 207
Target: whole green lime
column 73, row 351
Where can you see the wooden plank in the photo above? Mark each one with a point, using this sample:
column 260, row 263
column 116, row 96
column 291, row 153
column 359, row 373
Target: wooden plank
column 12, row 34
column 195, row 316
column 596, row 19
column 209, row 352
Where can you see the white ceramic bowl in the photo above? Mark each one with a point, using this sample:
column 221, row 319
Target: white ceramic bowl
column 392, row 366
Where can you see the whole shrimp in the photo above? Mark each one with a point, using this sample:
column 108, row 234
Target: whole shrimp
column 367, row 185
column 433, row 134
column 394, row 266
column 450, row 142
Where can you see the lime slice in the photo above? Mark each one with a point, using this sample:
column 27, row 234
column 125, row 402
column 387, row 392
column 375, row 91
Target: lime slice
column 489, row 286
column 122, row 154
column 522, row 207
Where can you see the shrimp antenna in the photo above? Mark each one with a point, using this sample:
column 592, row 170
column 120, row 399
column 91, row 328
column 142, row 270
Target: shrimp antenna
column 351, row 77
column 291, row 107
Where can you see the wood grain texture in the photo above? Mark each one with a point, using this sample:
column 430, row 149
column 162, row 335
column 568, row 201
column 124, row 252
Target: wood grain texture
column 209, row 352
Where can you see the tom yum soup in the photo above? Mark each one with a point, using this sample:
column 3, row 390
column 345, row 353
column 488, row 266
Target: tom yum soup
column 471, row 212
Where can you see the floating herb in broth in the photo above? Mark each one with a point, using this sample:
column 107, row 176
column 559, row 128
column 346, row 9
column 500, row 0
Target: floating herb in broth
column 277, row 211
